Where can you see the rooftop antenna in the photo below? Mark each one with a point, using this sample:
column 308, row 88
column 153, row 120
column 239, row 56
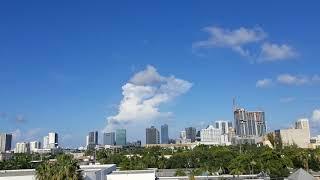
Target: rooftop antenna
column 234, row 103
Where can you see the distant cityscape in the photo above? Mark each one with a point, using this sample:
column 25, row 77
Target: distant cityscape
column 248, row 127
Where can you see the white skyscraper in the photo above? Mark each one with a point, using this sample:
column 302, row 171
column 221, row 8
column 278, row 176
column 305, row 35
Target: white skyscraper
column 22, row 147
column 87, row 140
column 45, row 142
column 53, row 140
column 34, row 145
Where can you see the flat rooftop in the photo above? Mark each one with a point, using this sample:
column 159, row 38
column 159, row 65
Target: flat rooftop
column 134, row 171
column 18, row 172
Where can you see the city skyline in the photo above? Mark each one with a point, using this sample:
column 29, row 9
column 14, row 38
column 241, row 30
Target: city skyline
column 73, row 72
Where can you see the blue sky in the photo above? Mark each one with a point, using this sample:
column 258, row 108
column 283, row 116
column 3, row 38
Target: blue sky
column 63, row 64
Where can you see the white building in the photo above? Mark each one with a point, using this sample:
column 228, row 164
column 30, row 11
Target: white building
column 34, row 145
column 302, row 123
column 97, row 172
column 223, row 126
column 89, row 172
column 87, row 141
column 45, row 144
column 53, row 140
column 132, row 175
column 315, row 142
column 22, row 147
column 211, row 134
column 50, row 141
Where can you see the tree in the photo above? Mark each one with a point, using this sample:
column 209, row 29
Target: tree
column 180, row 172
column 275, row 164
column 65, row 167
column 271, row 138
column 240, row 165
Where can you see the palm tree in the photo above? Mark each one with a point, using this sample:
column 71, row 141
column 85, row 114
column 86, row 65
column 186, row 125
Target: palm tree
column 64, row 168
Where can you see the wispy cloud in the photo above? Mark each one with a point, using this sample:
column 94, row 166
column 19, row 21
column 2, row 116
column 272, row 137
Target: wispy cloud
column 275, row 52
column 235, row 39
column 289, row 80
column 239, row 41
column 28, row 135
column 143, row 95
column 263, row 83
column 287, row 99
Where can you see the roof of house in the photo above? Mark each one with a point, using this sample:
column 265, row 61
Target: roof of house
column 301, row 174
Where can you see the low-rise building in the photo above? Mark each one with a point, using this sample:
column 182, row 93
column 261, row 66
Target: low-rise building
column 172, row 146
column 314, row 142
column 89, row 172
column 133, row 175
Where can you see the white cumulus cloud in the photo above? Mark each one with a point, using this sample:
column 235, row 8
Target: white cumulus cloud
column 266, row 82
column 235, row 39
column 276, row 52
column 143, row 95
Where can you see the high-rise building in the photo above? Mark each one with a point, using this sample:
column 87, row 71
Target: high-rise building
column 230, row 124
column 302, row 123
column 92, row 139
column 45, row 143
column 22, row 147
column 152, row 135
column 183, row 135
column 87, row 140
column 34, row 145
column 231, row 134
column 223, row 126
column 211, row 134
column 164, row 134
column 5, row 142
column 50, row 141
column 249, row 123
column 198, row 136
column 191, row 133
column 53, row 140
column 109, row 138
column 121, row 137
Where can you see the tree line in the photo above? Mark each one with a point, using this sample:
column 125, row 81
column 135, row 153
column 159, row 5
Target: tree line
column 202, row 160
column 251, row 159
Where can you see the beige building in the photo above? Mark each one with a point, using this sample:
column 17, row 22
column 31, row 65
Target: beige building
column 300, row 135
